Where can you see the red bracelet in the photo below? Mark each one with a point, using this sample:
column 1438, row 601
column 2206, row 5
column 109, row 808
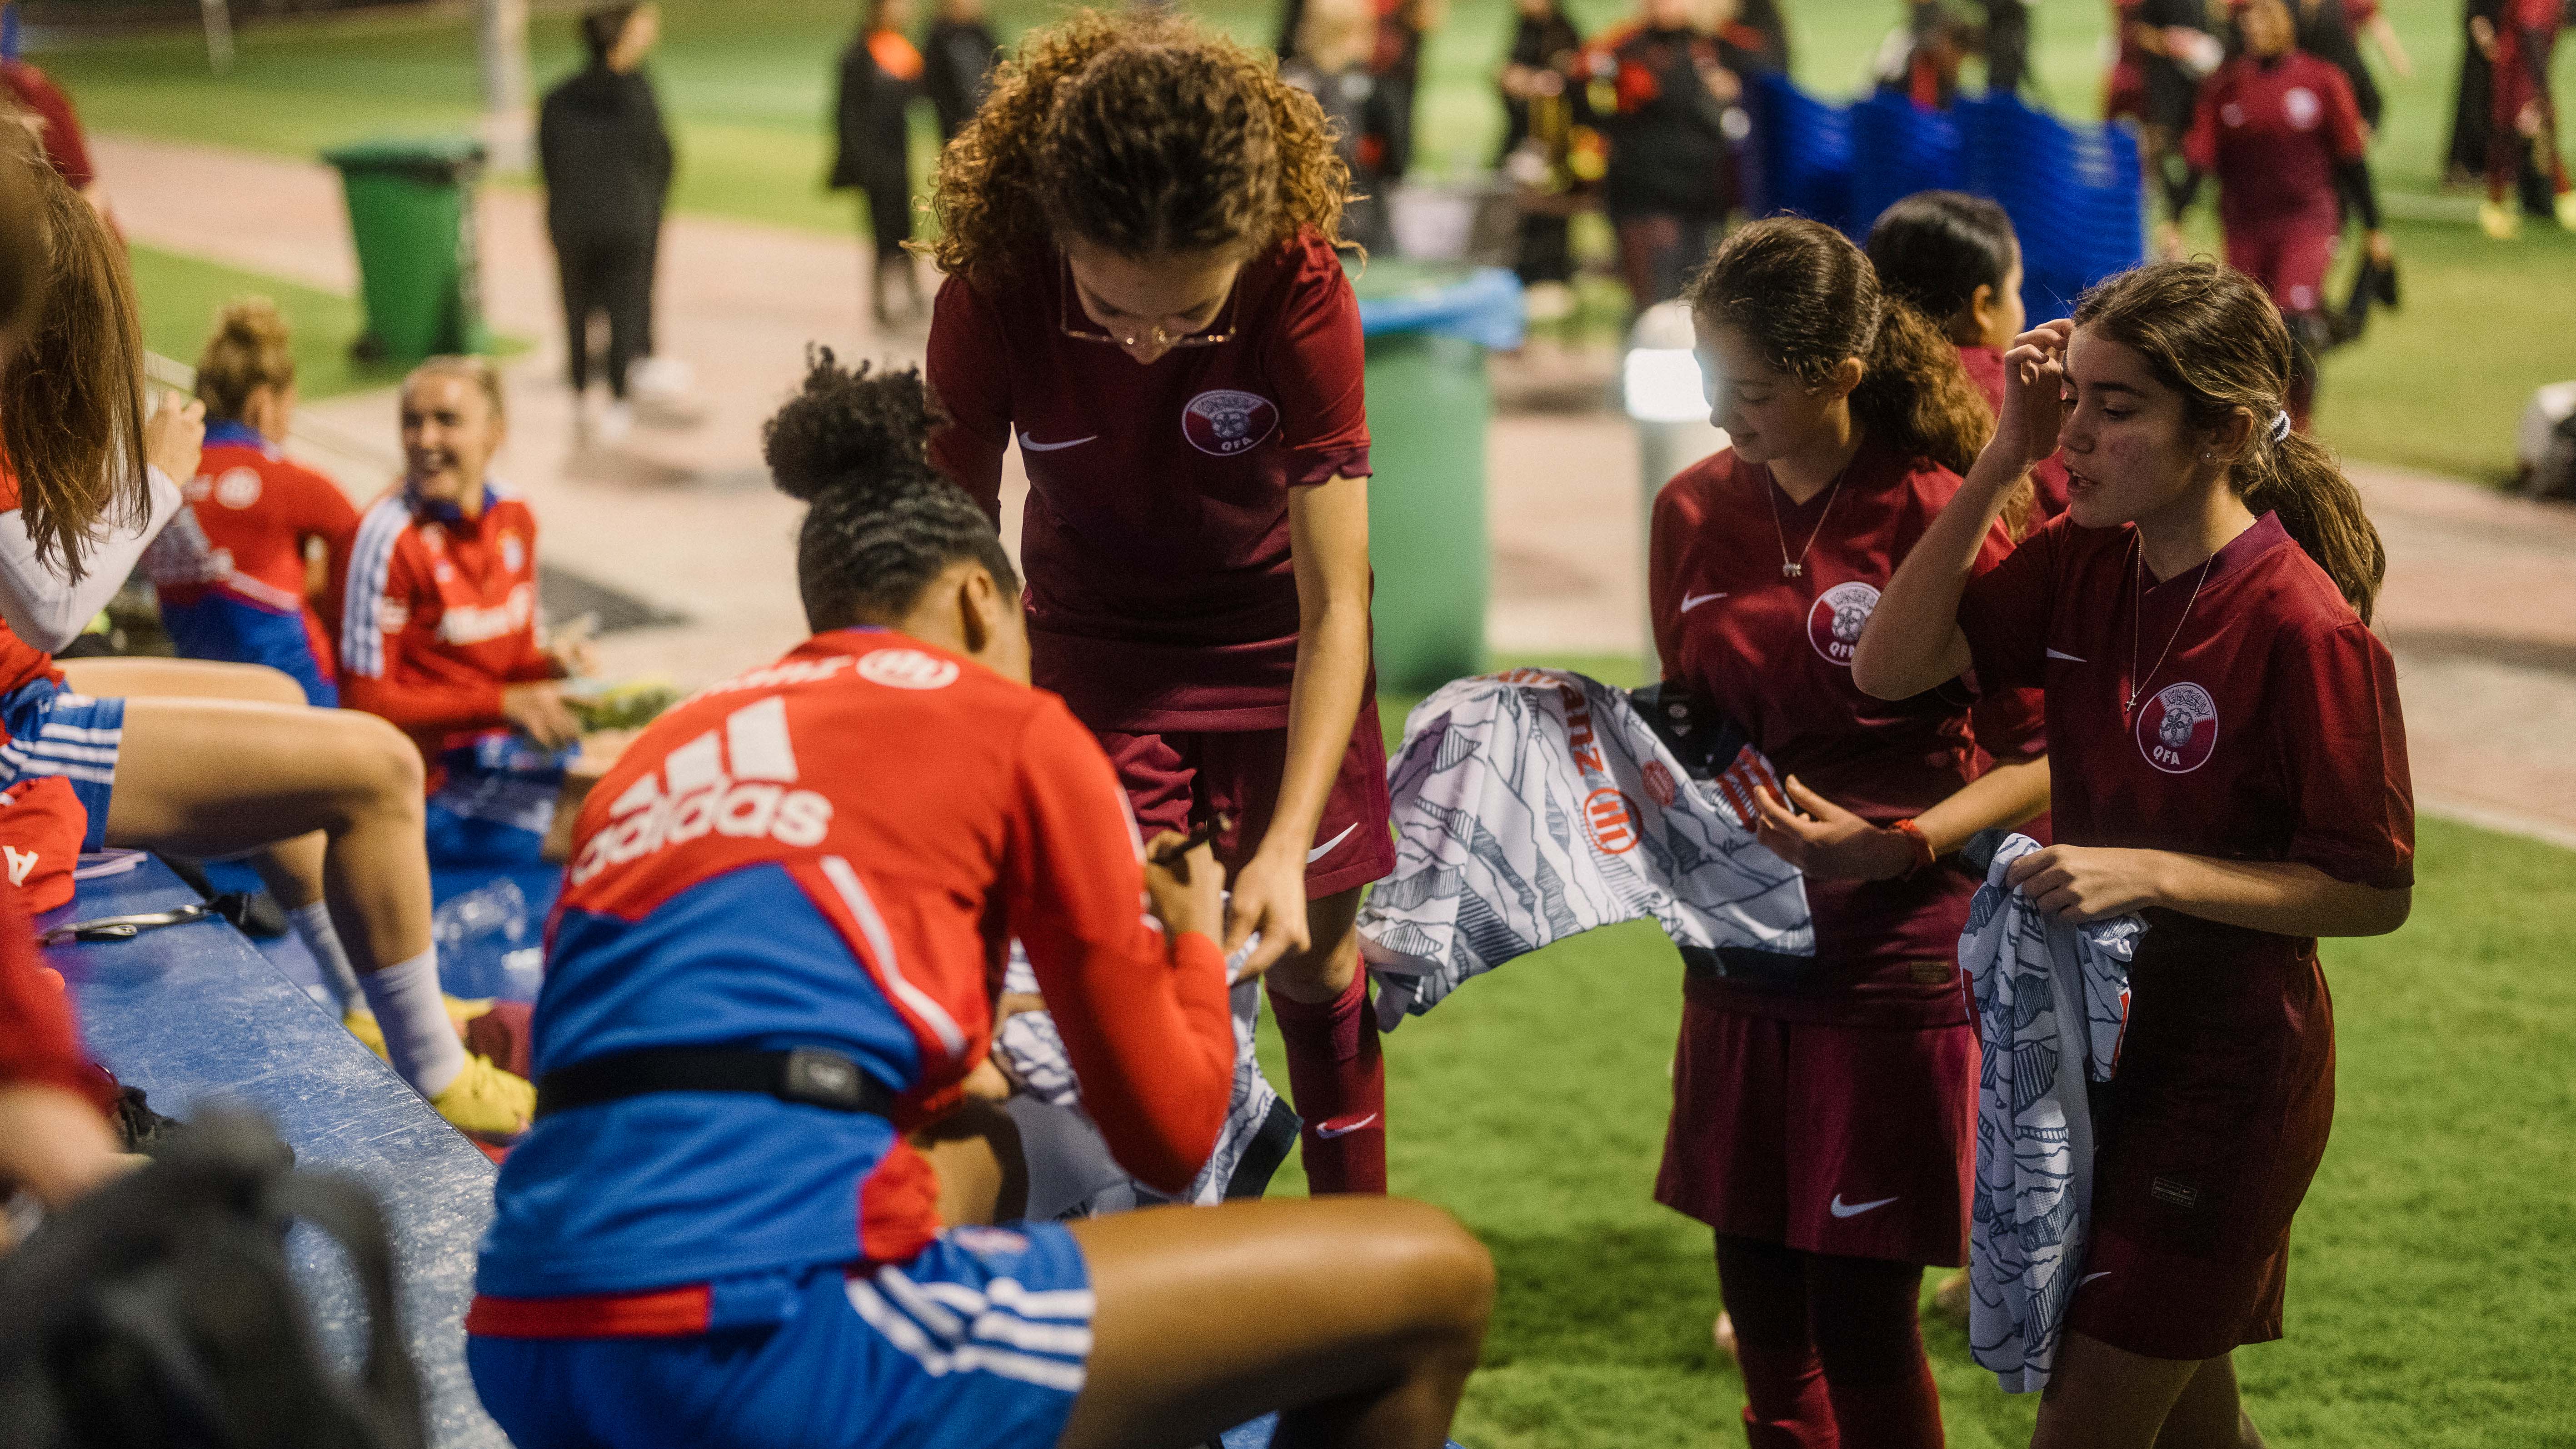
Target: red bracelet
column 1908, row 828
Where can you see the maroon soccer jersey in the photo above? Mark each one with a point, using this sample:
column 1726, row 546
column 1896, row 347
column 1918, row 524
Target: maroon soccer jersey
column 1161, row 596
column 1775, row 654
column 2273, row 131
column 2267, row 729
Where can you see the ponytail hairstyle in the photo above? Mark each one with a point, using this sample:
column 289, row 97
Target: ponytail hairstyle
column 2214, row 337
column 1934, row 249
column 71, row 389
column 248, row 351
column 883, row 522
column 1143, row 133
column 1808, row 298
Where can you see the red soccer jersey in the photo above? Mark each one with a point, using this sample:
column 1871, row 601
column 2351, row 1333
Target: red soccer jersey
column 21, row 663
column 57, row 126
column 438, row 613
column 1161, row 596
column 1775, row 654
column 249, row 513
column 2268, row 729
column 2273, row 131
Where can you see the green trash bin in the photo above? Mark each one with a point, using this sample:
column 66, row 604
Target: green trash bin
column 1428, row 327
column 411, row 211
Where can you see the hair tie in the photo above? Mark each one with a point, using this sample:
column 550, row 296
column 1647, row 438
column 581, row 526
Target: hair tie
column 2280, row 425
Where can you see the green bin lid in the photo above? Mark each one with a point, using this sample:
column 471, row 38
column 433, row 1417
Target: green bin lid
column 448, row 155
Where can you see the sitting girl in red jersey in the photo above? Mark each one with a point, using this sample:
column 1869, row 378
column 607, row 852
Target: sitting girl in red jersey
column 199, row 759
column 2227, row 758
column 773, row 967
column 231, row 569
column 440, row 629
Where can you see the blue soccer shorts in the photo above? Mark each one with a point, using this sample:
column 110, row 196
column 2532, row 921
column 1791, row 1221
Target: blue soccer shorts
column 53, row 731
column 978, row 1343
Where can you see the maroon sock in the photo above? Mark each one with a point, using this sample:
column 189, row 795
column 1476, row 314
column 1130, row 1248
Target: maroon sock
column 1787, row 1407
column 1899, row 1414
column 1338, row 1083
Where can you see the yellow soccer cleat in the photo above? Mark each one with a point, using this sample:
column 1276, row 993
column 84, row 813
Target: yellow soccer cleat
column 460, row 1011
column 2499, row 221
column 487, row 1101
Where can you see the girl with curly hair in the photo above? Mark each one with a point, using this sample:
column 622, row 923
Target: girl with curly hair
column 1821, row 1117
column 1140, row 232
column 2230, row 762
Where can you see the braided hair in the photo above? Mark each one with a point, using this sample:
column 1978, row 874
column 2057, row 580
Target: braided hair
column 883, row 523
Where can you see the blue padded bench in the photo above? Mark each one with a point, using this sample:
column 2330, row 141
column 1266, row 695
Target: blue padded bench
column 193, row 1013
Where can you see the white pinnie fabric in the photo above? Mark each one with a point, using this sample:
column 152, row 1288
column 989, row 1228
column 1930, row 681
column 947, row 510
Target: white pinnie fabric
column 1537, row 804
column 2052, row 1002
column 1032, row 1052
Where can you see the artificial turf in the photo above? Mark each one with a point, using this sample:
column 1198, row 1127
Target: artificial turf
column 2432, row 1293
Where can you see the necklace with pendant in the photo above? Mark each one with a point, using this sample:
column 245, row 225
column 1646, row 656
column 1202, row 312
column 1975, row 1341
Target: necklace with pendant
column 1791, row 568
column 2137, row 612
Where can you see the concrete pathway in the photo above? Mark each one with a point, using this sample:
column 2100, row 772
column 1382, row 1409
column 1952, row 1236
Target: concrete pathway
column 2480, row 606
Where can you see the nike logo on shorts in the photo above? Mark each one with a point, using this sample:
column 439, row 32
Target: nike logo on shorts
column 2062, row 654
column 2089, row 1277
column 1693, row 601
column 1331, row 1130
column 1325, row 849
column 1842, row 1209
column 1032, row 445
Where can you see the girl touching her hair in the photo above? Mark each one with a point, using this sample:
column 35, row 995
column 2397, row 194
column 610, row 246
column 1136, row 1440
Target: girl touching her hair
column 1847, row 414
column 2228, row 759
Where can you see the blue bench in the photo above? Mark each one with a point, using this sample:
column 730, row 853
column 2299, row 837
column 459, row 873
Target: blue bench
column 193, row 1013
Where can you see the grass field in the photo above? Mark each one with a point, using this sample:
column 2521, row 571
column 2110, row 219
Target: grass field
column 2433, row 1293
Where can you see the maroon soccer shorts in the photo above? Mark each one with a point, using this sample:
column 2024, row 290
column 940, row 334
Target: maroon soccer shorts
column 1855, row 1141
column 2289, row 258
column 1175, row 779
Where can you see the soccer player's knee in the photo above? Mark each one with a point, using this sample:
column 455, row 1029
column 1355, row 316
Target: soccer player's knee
column 1447, row 1273
column 383, row 769
column 271, row 686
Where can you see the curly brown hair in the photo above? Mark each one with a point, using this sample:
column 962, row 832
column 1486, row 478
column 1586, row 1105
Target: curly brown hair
column 251, row 348
column 1143, row 133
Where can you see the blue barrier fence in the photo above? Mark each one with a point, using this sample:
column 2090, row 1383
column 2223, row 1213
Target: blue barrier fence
column 2075, row 193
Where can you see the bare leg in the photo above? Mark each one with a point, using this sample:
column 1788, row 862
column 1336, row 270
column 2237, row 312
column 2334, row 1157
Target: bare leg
column 2209, row 1415
column 974, row 1151
column 1178, row 1356
column 1323, row 971
column 291, row 869
column 2102, row 1397
column 215, row 777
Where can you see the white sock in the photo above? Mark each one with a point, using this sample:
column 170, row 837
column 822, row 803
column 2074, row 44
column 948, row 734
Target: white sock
column 418, row 1036
column 339, row 988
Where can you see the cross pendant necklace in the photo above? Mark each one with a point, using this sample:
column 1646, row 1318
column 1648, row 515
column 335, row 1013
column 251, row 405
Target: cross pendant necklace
column 1792, row 568
column 2137, row 612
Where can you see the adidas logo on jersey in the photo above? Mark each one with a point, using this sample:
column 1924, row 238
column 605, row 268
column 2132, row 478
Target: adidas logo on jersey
column 734, row 781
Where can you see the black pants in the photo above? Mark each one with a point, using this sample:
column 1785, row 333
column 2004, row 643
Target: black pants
column 611, row 275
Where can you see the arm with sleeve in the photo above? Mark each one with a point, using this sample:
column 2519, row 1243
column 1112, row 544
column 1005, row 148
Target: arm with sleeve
column 1318, row 360
column 2342, row 738
column 1145, row 1019
column 2004, row 612
column 45, row 608
column 2349, row 146
column 380, row 678
column 968, row 373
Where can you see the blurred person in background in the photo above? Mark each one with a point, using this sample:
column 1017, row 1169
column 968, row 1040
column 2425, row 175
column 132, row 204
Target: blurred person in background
column 2007, row 46
column 880, row 74
column 957, row 63
column 1920, row 59
column 236, row 569
column 2165, row 49
column 2332, row 31
column 1549, row 151
column 2282, row 133
column 47, row 114
column 1331, row 63
column 606, row 160
column 1661, row 86
column 2522, row 119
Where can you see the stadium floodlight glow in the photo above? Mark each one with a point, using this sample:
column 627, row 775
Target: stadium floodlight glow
column 1661, row 381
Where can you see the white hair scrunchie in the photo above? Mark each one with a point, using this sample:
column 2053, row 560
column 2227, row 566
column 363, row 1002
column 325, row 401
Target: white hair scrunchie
column 2280, row 425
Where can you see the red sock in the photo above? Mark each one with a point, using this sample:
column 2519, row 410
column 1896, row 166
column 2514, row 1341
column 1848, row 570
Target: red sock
column 1337, row 1081
column 1787, row 1407
column 1901, row 1414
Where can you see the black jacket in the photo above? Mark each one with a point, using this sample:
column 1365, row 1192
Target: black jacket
column 605, row 157
column 868, row 120
column 957, row 69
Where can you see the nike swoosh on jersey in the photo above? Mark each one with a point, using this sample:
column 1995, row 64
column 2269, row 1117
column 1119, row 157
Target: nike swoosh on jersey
column 1842, row 1209
column 2061, row 654
column 1693, row 601
column 1325, row 849
column 1032, row 445
column 1329, row 1130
